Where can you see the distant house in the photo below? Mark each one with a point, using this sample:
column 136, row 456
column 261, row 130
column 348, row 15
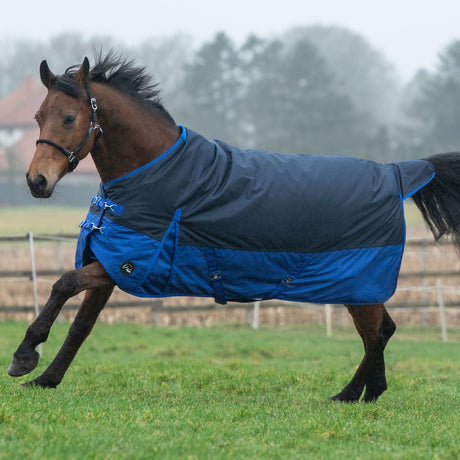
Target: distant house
column 18, row 133
column 18, row 125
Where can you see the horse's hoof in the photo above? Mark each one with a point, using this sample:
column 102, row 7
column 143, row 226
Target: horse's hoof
column 22, row 366
column 38, row 383
column 345, row 397
column 371, row 395
column 351, row 393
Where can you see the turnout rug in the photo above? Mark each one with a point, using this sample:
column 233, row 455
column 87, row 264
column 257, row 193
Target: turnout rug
column 208, row 219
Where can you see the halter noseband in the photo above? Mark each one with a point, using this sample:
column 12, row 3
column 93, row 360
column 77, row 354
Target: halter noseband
column 93, row 125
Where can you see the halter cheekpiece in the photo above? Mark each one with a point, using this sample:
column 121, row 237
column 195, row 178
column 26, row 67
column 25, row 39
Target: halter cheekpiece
column 93, row 125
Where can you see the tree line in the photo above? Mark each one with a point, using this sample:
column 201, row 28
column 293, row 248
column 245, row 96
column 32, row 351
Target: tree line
column 317, row 90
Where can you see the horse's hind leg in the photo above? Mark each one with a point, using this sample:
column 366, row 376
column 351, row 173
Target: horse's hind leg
column 69, row 284
column 375, row 327
column 93, row 303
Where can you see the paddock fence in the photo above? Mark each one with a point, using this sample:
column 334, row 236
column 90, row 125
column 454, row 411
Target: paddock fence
column 428, row 291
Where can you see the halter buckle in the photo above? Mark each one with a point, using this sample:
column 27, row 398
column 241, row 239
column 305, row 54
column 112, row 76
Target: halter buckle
column 71, row 157
column 98, row 127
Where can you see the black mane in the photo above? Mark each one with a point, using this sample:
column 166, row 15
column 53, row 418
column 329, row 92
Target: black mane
column 123, row 75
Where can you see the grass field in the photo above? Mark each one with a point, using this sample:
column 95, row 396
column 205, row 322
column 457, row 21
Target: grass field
column 46, row 219
column 138, row 392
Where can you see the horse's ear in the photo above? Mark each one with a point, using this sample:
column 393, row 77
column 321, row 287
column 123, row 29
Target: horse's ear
column 47, row 77
column 81, row 75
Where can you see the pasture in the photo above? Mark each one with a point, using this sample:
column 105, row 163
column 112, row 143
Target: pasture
column 135, row 391
column 229, row 392
column 45, row 219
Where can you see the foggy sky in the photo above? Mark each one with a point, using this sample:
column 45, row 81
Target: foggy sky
column 409, row 32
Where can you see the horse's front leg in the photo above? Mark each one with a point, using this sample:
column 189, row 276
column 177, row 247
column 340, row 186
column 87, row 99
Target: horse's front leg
column 93, row 303
column 69, row 284
column 375, row 327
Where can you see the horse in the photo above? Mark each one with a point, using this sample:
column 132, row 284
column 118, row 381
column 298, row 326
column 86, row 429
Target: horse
column 259, row 225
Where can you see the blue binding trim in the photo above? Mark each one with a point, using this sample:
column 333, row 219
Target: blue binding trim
column 413, row 192
column 182, row 138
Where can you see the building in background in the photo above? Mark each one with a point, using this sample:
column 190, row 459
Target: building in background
column 18, row 133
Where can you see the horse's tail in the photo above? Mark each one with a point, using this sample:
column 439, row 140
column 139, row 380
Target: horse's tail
column 439, row 201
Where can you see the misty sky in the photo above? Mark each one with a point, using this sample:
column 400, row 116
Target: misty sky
column 409, row 32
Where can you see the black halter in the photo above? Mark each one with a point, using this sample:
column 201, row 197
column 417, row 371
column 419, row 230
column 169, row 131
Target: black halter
column 93, row 125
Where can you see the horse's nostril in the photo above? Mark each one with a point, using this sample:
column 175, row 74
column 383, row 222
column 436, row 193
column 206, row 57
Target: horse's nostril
column 37, row 184
column 41, row 181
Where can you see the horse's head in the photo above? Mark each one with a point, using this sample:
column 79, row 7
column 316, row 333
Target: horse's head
column 63, row 118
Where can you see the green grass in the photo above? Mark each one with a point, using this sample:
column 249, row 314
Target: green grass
column 138, row 392
column 41, row 219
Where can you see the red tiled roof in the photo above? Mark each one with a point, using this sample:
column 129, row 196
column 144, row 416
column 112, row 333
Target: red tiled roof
column 17, row 110
column 24, row 151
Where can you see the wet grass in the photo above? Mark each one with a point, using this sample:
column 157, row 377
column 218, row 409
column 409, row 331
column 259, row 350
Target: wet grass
column 230, row 392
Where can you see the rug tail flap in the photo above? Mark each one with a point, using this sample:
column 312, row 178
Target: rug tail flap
column 411, row 175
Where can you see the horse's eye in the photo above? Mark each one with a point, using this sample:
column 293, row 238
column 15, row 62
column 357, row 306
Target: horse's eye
column 69, row 119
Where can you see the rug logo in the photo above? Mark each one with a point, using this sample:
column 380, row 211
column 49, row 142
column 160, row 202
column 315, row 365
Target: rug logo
column 127, row 268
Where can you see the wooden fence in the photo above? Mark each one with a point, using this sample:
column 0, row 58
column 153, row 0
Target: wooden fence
column 422, row 283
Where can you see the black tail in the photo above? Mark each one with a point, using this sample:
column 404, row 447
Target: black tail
column 439, row 201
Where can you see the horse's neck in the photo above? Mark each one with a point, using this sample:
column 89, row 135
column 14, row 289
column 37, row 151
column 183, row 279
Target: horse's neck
column 132, row 135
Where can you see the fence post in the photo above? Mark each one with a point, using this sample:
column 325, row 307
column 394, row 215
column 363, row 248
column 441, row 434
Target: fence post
column 328, row 312
column 58, row 252
column 34, row 279
column 255, row 316
column 442, row 312
column 59, row 265
column 423, row 282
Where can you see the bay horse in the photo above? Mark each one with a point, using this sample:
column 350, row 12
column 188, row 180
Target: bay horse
column 177, row 214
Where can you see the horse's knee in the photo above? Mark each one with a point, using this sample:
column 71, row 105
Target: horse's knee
column 65, row 286
column 62, row 289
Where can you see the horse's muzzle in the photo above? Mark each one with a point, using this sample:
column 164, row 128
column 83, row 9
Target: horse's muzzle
column 39, row 186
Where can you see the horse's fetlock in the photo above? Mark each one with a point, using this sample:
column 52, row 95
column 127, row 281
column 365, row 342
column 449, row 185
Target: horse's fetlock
column 373, row 392
column 41, row 381
column 36, row 333
column 351, row 393
column 390, row 328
